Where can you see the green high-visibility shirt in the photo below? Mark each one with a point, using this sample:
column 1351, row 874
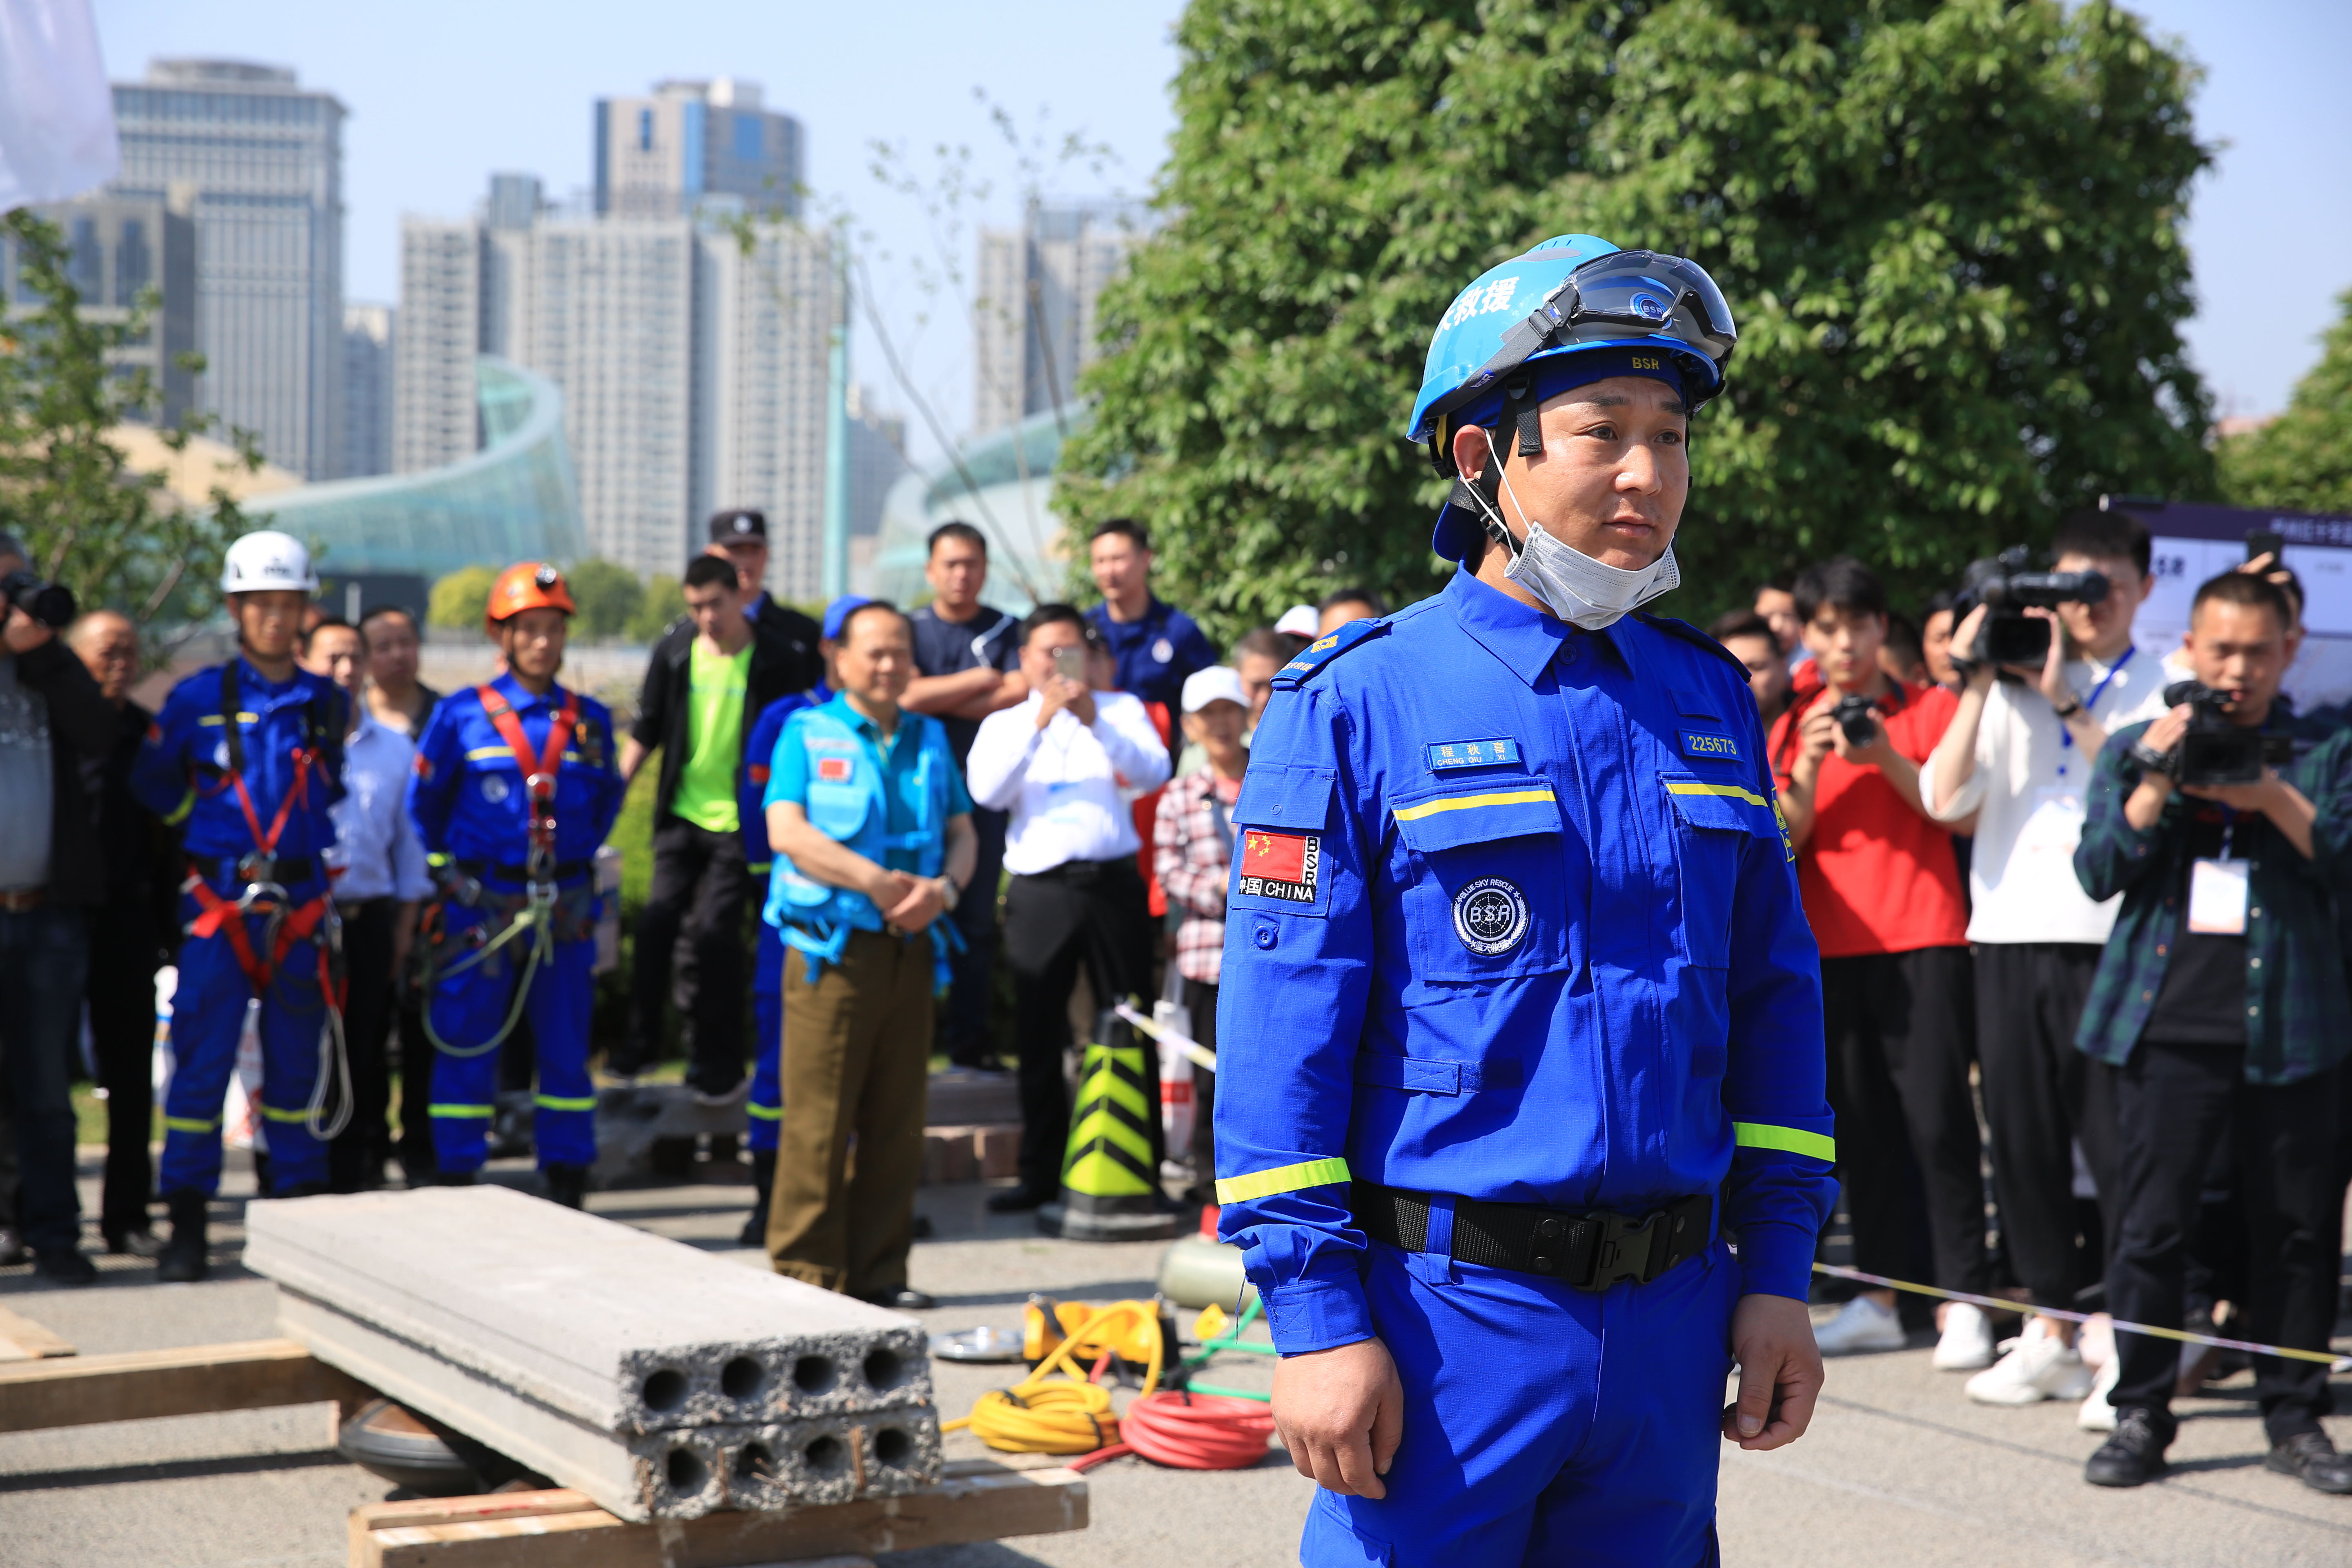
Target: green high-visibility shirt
column 714, row 738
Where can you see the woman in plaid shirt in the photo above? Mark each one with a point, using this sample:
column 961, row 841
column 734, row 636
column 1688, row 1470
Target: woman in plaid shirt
column 1193, row 853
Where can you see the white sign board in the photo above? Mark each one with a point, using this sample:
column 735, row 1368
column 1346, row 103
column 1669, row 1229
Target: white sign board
column 2193, row 542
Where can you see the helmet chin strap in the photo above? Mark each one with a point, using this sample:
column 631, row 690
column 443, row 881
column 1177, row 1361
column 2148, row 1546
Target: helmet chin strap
column 1485, row 492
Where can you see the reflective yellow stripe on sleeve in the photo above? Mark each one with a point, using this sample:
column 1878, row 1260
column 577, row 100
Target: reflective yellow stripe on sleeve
column 180, row 812
column 1694, row 786
column 1282, row 1179
column 484, row 1112
column 1787, row 1140
column 1472, row 802
column 555, row 1102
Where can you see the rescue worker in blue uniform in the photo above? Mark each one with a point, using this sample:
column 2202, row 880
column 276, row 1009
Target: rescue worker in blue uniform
column 246, row 758
column 765, row 1105
column 1518, row 979
column 515, row 788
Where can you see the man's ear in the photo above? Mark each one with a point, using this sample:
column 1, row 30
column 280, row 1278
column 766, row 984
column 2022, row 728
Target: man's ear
column 1472, row 447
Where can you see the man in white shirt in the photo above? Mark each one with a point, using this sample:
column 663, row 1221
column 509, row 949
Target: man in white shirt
column 2018, row 755
column 1058, row 763
column 384, row 878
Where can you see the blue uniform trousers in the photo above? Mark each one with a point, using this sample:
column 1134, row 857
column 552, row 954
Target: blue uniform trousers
column 467, row 1007
column 1542, row 1424
column 207, row 1017
column 767, row 1102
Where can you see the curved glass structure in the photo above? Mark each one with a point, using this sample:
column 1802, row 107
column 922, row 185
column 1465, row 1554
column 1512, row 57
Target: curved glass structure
column 514, row 500
column 1009, row 500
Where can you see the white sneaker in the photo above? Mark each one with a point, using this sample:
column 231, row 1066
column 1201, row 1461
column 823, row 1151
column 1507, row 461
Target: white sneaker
column 1966, row 1344
column 2098, row 1412
column 1862, row 1324
column 2032, row 1369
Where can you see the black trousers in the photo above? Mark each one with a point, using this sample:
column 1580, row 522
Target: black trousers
column 1202, row 1000
column 1087, row 913
column 355, row 1158
column 122, row 996
column 2041, row 1095
column 963, row 1022
column 1900, row 1030
column 698, row 887
column 417, row 1161
column 2174, row 1103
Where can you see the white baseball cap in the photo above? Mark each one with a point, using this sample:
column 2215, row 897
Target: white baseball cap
column 1300, row 621
column 1218, row 683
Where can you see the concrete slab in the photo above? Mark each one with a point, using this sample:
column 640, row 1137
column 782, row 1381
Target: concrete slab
column 613, row 1328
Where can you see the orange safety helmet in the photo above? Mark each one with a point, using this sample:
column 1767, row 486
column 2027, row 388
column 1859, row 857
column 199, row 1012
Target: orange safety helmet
column 532, row 585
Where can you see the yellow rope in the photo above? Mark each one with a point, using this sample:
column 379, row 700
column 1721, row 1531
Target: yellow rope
column 1069, row 1416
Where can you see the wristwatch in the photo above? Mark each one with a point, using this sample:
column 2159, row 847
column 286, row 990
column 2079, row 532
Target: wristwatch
column 2152, row 759
column 2074, row 706
column 949, row 893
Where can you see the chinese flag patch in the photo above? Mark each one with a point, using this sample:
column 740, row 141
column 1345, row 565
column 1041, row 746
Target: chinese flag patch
column 833, row 770
column 1286, row 866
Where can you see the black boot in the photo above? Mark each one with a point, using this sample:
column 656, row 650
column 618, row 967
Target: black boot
column 567, row 1185
column 763, row 1183
column 2133, row 1456
column 182, row 1260
column 2311, row 1457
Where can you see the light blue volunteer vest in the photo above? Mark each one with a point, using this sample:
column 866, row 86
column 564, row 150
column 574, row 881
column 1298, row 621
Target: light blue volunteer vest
column 846, row 803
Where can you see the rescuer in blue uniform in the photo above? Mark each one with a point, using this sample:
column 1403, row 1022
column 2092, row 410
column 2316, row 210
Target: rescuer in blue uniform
column 515, row 788
column 1516, row 972
column 246, row 757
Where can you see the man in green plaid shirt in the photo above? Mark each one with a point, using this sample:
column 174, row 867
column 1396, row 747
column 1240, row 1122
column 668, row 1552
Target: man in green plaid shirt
column 2220, row 1002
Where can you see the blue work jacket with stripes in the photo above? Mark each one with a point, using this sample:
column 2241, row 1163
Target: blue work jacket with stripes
column 182, row 771
column 1514, row 917
column 469, row 799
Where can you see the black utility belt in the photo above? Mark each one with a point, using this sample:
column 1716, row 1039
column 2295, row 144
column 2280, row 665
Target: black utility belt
column 285, row 870
column 1589, row 1248
column 564, row 872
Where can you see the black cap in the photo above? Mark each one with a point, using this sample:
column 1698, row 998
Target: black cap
column 739, row 522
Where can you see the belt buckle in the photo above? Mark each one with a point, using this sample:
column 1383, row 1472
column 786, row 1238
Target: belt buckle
column 258, row 867
column 1626, row 1250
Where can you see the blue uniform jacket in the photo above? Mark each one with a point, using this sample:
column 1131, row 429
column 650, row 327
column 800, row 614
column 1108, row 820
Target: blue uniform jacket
column 1514, row 917
column 1155, row 654
column 180, row 774
column 751, row 812
column 468, row 794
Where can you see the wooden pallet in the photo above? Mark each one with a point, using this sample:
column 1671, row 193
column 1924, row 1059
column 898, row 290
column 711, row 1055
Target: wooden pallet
column 136, row 1385
column 21, row 1339
column 977, row 1500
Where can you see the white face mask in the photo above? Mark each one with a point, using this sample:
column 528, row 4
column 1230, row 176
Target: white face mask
column 1580, row 590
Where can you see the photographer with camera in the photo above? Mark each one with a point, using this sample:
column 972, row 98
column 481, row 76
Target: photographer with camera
column 2221, row 1004
column 1882, row 893
column 2018, row 757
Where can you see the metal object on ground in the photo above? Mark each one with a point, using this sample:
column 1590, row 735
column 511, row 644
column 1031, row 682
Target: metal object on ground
column 1196, row 1271
column 980, row 1344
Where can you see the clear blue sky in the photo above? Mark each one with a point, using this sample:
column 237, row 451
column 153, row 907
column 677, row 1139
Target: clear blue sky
column 442, row 93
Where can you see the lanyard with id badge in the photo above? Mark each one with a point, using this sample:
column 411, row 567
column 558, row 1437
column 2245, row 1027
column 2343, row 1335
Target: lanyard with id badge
column 2054, row 827
column 2216, row 888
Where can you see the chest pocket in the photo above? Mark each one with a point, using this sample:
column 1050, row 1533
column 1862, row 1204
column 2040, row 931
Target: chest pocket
column 1485, row 878
column 839, row 795
column 1715, row 823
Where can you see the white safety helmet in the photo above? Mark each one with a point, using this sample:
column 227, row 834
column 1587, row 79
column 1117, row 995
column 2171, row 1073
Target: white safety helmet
column 267, row 562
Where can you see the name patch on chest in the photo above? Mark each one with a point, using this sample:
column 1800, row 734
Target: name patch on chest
column 1286, row 866
column 1700, row 743
column 833, row 770
column 1444, row 754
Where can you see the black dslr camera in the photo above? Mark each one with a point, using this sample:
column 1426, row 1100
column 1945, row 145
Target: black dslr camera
column 1854, row 716
column 51, row 604
column 2010, row 635
column 2215, row 751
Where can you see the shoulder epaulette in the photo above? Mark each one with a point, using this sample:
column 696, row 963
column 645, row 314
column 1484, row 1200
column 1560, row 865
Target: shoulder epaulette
column 1692, row 635
column 1324, row 649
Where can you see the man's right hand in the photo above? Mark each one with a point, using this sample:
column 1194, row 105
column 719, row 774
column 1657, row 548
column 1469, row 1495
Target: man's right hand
column 24, row 633
column 889, row 889
column 1964, row 647
column 1060, row 693
column 1340, row 1412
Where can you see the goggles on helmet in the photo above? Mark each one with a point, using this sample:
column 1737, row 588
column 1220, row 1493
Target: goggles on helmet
column 1628, row 299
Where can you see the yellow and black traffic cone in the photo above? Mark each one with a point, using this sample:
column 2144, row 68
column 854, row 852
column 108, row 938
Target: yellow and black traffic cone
column 1110, row 1170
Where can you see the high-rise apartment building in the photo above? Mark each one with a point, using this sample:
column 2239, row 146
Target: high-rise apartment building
column 663, row 154
column 263, row 159
column 120, row 250
column 1034, row 310
column 367, row 390
column 693, row 372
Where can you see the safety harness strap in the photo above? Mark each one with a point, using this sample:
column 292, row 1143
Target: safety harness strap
column 539, row 772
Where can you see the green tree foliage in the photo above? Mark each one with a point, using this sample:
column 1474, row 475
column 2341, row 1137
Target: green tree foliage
column 111, row 535
column 2302, row 461
column 460, row 599
column 1951, row 232
column 664, row 602
column 609, row 596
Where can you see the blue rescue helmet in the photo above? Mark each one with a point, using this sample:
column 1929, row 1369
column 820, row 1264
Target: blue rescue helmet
column 1573, row 309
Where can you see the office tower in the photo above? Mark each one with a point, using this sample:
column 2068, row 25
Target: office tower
column 514, row 201
column 264, row 159
column 1034, row 312
column 662, row 155
column 877, row 459
column 118, row 249
column 367, row 390
column 436, row 334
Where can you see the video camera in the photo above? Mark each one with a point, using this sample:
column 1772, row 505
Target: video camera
column 51, row 604
column 2214, row 751
column 2007, row 589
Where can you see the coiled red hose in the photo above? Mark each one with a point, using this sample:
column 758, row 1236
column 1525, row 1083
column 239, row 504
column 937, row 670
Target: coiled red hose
column 1190, row 1432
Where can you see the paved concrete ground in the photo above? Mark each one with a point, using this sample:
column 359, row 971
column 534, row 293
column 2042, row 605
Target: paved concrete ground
column 1899, row 1470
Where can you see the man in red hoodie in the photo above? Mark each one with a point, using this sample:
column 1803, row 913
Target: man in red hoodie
column 1882, row 893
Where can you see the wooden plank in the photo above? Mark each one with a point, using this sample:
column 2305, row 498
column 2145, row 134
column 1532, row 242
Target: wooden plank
column 29, row 1340
column 254, row 1374
column 537, row 1530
